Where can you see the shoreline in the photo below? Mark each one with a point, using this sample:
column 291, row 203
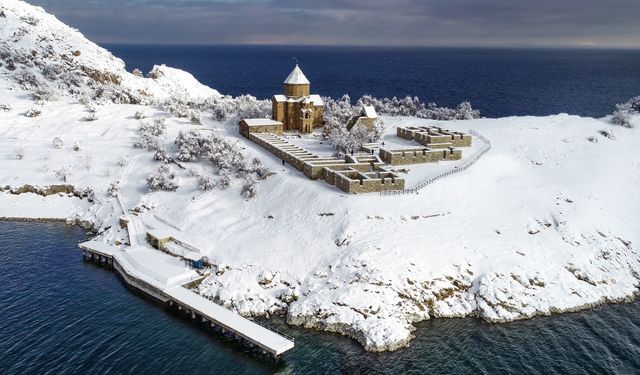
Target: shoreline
column 308, row 323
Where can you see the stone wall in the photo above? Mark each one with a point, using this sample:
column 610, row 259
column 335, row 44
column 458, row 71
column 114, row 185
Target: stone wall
column 434, row 136
column 245, row 128
column 350, row 177
column 357, row 182
column 418, row 156
column 297, row 90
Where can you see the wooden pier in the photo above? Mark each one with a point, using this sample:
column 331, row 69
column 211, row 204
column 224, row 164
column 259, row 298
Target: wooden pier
column 163, row 280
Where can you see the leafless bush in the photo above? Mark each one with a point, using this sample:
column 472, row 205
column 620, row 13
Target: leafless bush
column 33, row 112
column 63, row 173
column 57, row 143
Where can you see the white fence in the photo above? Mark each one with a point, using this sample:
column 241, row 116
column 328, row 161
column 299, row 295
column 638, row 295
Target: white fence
column 483, row 150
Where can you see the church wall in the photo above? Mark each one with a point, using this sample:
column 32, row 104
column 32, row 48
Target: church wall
column 296, row 90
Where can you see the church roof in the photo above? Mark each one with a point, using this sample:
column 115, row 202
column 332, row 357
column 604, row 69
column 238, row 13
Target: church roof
column 296, row 77
column 370, row 111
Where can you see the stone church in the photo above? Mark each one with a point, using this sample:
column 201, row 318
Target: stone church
column 297, row 109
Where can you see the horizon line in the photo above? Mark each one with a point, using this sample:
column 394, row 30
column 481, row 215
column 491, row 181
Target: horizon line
column 487, row 47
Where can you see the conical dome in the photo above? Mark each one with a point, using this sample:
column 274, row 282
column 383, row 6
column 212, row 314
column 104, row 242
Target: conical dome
column 296, row 77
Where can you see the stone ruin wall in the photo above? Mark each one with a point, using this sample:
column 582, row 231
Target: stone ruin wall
column 419, row 156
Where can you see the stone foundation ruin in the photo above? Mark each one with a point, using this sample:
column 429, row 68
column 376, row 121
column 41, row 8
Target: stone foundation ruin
column 349, row 174
column 362, row 172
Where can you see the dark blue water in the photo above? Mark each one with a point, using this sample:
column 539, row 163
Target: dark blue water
column 500, row 82
column 59, row 315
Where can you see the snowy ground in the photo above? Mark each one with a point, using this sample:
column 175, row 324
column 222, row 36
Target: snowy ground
column 545, row 222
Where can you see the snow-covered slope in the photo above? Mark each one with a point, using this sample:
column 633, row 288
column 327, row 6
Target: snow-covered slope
column 49, row 58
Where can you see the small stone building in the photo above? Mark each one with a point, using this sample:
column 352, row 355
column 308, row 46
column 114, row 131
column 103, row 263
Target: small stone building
column 367, row 118
column 260, row 125
column 297, row 109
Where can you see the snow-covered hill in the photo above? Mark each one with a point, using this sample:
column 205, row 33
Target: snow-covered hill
column 50, row 59
column 546, row 222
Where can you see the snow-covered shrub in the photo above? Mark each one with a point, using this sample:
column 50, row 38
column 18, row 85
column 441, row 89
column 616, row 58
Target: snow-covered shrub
column 33, row 112
column 45, row 94
column 31, row 20
column 5, row 107
column 90, row 117
column 52, row 71
column 149, row 134
column 409, row 106
column 377, row 131
column 349, row 141
column 27, row 79
column 244, row 106
column 112, row 93
column 206, row 183
column 162, row 179
column 177, row 108
column 621, row 117
column 76, row 146
column 113, row 189
column 259, row 168
column 195, row 118
column 192, row 145
column 57, row 143
column 19, row 152
column 137, row 72
column 250, row 107
column 124, row 161
column 139, row 115
column 162, row 155
column 624, row 111
column 223, row 180
column 249, row 188
column 63, row 173
column 88, row 193
column 85, row 100
column 607, row 133
column 226, row 156
column 337, row 113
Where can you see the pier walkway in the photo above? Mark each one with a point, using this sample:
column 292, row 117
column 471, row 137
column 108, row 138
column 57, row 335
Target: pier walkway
column 267, row 340
column 162, row 276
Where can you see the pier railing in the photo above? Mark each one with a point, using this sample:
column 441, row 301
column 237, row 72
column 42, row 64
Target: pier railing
column 486, row 146
column 273, row 330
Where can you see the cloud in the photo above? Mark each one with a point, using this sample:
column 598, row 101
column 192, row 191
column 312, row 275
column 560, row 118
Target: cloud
column 611, row 23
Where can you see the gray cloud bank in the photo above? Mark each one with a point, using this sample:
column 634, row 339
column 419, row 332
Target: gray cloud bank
column 482, row 23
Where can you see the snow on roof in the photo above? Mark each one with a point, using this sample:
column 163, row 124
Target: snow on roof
column 296, row 77
column 280, row 98
column 316, row 99
column 370, row 111
column 261, row 122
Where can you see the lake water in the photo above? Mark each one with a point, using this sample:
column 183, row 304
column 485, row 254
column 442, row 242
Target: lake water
column 61, row 315
column 499, row 82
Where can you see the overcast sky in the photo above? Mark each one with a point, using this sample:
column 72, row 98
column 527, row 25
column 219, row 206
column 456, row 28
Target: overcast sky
column 509, row 23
